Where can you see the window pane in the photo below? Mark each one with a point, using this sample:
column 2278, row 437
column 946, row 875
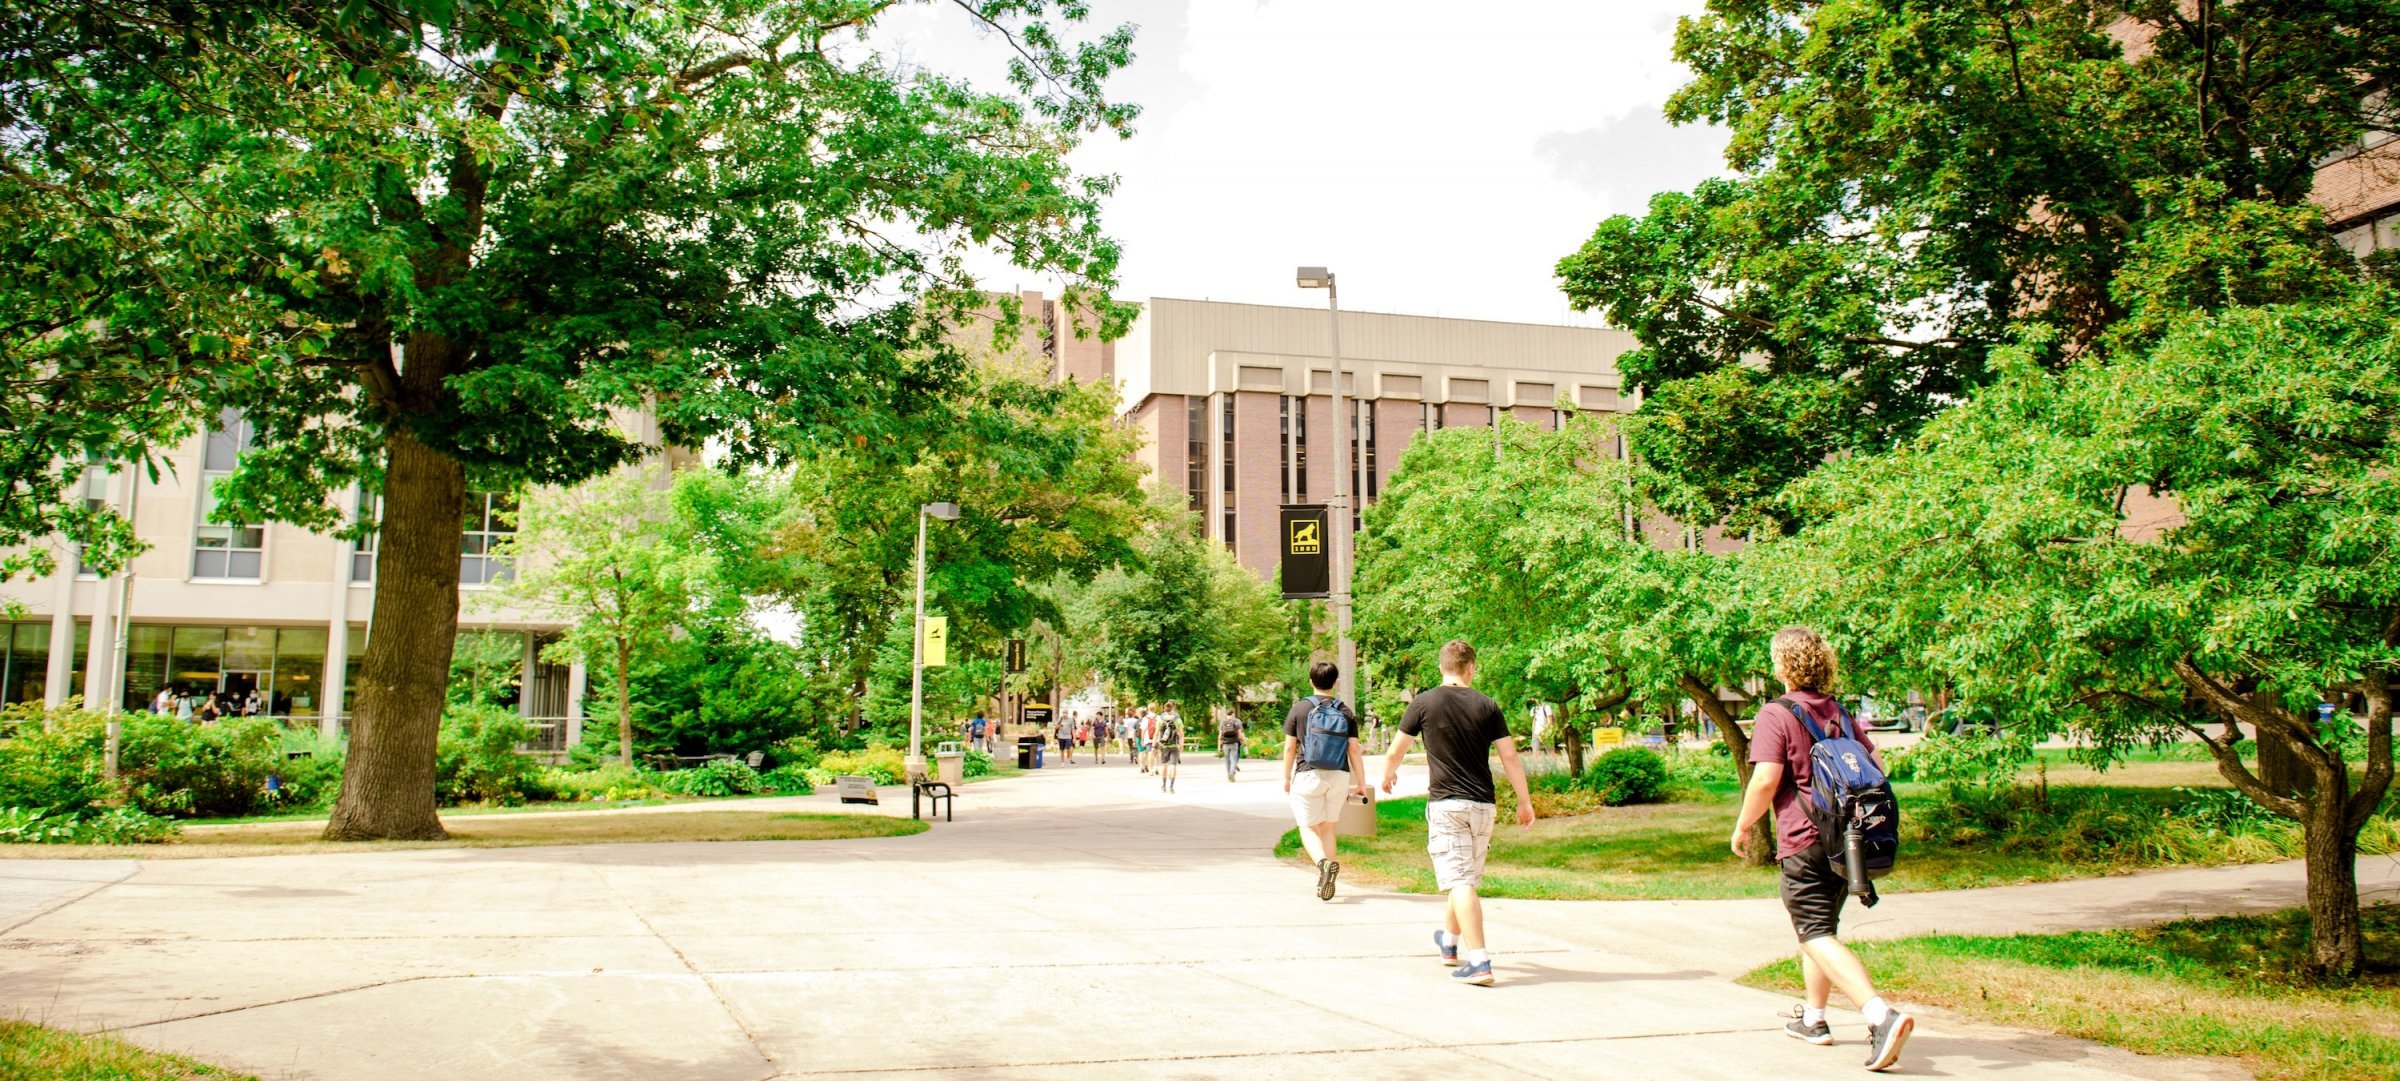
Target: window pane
column 299, row 672
column 146, row 666
column 362, row 567
column 197, row 658
column 208, row 564
column 243, row 565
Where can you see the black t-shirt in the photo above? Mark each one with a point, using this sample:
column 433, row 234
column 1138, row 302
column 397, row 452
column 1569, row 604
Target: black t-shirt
column 1295, row 726
column 1459, row 726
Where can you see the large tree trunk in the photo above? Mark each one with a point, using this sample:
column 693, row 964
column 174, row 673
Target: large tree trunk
column 1574, row 747
column 387, row 782
column 2336, row 944
column 1761, row 849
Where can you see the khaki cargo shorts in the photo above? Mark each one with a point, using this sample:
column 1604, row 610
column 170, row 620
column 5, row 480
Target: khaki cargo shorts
column 1317, row 795
column 1458, row 835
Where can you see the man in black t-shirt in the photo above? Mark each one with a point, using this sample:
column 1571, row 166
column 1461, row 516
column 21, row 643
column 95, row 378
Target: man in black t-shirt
column 1460, row 727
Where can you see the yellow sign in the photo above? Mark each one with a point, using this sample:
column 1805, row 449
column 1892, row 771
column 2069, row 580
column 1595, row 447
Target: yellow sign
column 1608, row 737
column 1307, row 538
column 937, row 641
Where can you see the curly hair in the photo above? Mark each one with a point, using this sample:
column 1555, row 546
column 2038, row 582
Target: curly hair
column 1802, row 660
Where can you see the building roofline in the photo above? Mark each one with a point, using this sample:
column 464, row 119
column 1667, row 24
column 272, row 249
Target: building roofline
column 1385, row 314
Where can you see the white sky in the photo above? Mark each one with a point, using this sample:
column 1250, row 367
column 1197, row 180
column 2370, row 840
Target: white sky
column 1440, row 159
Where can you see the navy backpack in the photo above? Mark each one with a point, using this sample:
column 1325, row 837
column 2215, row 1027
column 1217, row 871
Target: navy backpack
column 1326, row 745
column 1849, row 800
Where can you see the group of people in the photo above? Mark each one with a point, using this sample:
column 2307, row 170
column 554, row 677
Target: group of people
column 1461, row 729
column 208, row 707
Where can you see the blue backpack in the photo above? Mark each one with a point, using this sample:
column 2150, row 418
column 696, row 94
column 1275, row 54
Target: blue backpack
column 1849, row 800
column 1326, row 745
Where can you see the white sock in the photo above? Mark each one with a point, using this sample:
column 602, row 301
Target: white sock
column 1477, row 957
column 1876, row 1010
column 1448, row 939
column 1812, row 1015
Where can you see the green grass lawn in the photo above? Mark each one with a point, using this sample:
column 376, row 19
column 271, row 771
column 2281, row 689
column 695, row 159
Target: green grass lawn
column 499, row 831
column 1678, row 850
column 30, row 1052
column 2198, row 987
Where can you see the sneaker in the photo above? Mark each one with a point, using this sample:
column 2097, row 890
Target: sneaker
column 1480, row 975
column 1327, row 872
column 1884, row 1041
column 1798, row 1028
column 1448, row 951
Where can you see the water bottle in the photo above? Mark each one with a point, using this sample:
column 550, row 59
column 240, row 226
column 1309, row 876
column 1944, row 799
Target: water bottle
column 1854, row 861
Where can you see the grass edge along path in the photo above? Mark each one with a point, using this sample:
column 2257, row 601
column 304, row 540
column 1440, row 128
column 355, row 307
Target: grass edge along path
column 31, row 1052
column 2205, row 987
column 1676, row 850
column 502, row 831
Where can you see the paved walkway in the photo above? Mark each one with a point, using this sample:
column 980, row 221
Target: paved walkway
column 1073, row 923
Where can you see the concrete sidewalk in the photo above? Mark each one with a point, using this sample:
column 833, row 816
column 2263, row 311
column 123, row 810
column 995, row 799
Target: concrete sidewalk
column 1073, row 922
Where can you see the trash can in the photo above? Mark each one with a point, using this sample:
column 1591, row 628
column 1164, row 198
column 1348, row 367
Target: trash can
column 1038, row 747
column 1025, row 751
column 950, row 767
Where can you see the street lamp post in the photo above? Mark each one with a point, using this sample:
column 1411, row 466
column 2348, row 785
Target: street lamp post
column 1345, row 650
column 915, row 764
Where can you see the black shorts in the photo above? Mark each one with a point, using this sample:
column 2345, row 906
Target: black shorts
column 1813, row 892
column 1168, row 752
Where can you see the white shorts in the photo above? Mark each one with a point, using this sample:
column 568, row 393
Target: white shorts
column 1458, row 835
column 1317, row 795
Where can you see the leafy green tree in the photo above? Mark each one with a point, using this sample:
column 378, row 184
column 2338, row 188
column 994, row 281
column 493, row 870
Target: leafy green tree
column 1047, row 489
column 613, row 557
column 1187, row 624
column 2186, row 537
column 1915, row 182
column 432, row 246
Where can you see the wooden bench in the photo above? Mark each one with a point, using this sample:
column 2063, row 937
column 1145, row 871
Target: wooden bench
column 944, row 799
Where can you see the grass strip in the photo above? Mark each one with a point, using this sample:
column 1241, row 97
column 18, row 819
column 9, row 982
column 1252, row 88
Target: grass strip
column 2211, row 987
column 30, row 1052
column 500, row 831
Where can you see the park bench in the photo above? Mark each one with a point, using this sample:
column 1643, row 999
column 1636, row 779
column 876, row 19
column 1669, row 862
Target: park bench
column 940, row 795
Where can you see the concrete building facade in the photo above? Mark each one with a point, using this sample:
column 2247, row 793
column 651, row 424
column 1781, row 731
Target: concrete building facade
column 1235, row 400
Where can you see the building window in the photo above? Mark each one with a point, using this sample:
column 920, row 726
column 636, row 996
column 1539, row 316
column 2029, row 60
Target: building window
column 225, row 550
column 491, row 521
column 362, row 550
column 1366, row 441
column 241, row 671
column 1295, row 449
column 1195, row 455
column 1226, row 498
column 1431, row 421
column 24, row 662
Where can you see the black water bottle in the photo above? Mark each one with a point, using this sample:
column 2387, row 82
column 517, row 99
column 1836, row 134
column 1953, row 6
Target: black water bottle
column 1854, row 860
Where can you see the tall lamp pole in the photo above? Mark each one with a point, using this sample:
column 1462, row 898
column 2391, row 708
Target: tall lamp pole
column 915, row 764
column 1345, row 650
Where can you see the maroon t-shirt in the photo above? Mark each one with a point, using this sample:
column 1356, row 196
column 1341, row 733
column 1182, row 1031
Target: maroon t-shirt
column 1780, row 737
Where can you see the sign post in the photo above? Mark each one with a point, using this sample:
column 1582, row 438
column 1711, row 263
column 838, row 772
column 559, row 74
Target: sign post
column 1307, row 549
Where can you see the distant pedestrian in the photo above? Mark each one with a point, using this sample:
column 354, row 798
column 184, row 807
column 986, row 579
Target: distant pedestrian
column 979, row 733
column 165, row 702
column 1229, row 741
column 1170, row 747
column 1098, row 727
column 1460, row 727
column 1814, row 880
column 1322, row 766
column 1064, row 733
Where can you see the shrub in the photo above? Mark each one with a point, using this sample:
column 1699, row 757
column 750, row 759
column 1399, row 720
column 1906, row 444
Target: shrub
column 718, row 778
column 791, row 780
column 799, row 751
column 878, row 761
column 94, row 826
column 177, row 769
column 1972, row 758
column 313, row 778
column 818, row 777
column 614, row 781
column 978, row 764
column 1628, row 775
column 51, row 759
column 477, row 757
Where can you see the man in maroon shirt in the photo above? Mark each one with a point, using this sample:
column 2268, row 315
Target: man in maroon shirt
column 1813, row 884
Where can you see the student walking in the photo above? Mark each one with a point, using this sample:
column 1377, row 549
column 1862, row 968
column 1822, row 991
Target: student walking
column 1169, row 739
column 1460, row 727
column 977, row 730
column 1322, row 764
column 1814, row 881
column 1229, row 741
column 1064, row 733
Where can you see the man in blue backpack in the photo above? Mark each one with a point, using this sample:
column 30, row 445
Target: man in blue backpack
column 1321, row 766
column 1815, row 883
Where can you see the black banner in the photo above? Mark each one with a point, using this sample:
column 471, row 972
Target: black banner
column 1307, row 551
column 1016, row 655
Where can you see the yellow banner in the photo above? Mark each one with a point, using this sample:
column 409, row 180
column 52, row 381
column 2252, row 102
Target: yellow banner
column 937, row 641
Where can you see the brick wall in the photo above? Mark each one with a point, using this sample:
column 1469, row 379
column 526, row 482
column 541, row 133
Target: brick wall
column 1258, row 479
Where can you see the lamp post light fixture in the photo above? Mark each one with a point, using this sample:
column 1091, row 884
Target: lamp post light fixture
column 915, row 764
column 1345, row 650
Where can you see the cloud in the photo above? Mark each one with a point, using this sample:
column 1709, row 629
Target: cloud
column 1635, row 156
